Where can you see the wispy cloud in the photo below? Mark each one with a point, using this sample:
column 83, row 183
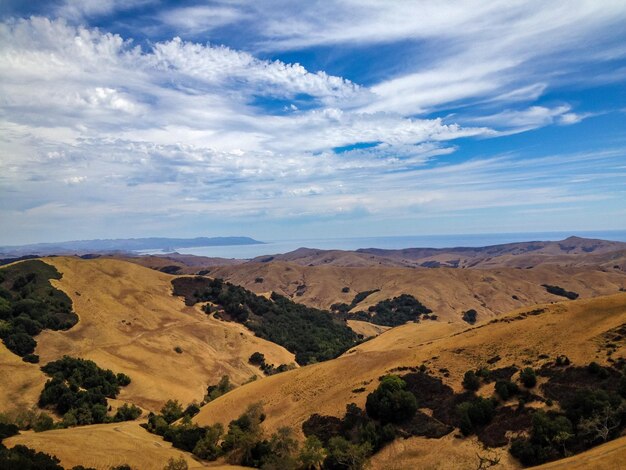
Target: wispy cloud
column 173, row 131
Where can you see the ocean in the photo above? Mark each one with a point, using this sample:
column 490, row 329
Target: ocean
column 417, row 241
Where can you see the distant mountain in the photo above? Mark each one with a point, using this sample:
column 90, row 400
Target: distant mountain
column 122, row 245
column 524, row 254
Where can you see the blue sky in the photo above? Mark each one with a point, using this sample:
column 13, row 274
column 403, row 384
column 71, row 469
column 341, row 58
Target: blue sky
column 338, row 118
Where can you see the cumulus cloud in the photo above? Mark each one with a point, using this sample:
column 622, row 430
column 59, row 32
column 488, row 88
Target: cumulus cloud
column 96, row 127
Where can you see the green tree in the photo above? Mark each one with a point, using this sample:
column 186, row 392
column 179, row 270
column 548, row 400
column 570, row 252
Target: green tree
column 471, row 381
column 528, row 377
column 390, row 402
column 344, row 454
column 172, row 411
column 312, row 454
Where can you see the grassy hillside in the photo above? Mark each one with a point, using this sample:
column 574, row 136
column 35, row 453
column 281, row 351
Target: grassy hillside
column 576, row 329
column 131, row 323
column 448, row 292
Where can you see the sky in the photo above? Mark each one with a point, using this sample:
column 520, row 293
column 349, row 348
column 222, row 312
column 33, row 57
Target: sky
column 321, row 119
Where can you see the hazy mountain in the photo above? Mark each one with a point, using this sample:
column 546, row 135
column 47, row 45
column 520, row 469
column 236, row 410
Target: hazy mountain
column 123, row 244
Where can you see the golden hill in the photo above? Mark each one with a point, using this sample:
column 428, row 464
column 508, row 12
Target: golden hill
column 102, row 446
column 447, row 291
column 571, row 328
column 131, row 323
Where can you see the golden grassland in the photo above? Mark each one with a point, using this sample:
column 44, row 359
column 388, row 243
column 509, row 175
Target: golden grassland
column 571, row 328
column 447, row 291
column 105, row 445
column 130, row 322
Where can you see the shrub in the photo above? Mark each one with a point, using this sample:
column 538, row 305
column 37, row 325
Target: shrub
column 257, row 359
column 556, row 290
column 390, row 402
column 475, row 413
column 32, row 358
column 528, row 377
column 470, row 316
column 127, row 412
column 178, row 349
column 506, row 389
column 43, row 422
column 471, row 381
column 8, row 430
column 214, row 391
column 176, row 464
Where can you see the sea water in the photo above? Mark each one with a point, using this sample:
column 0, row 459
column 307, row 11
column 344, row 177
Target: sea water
column 273, row 247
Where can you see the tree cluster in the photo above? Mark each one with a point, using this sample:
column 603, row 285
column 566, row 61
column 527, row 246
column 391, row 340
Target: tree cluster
column 78, row 390
column 29, row 304
column 312, row 335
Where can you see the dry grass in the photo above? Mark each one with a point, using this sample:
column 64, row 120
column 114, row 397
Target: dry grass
column 571, row 328
column 130, row 322
column 447, row 291
column 105, row 445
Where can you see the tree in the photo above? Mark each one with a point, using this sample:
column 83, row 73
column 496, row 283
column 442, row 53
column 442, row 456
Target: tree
column 528, row 377
column 470, row 316
column 257, row 359
column 471, row 381
column 312, row 454
column 172, row 411
column 344, row 454
column 208, row 447
column 390, row 402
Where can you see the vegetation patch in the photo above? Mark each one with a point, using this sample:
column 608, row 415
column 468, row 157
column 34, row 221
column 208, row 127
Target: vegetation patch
column 312, row 335
column 30, row 304
column 470, row 316
column 393, row 312
column 556, row 290
column 358, row 298
column 78, row 390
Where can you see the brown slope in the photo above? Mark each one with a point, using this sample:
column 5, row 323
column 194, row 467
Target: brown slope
column 448, row 292
column 571, row 328
column 131, row 323
column 103, row 446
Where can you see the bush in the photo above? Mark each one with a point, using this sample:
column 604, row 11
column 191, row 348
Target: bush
column 8, row 430
column 214, row 391
column 257, row 359
column 127, row 412
column 475, row 413
column 506, row 389
column 390, row 402
column 470, row 316
column 528, row 377
column 556, row 290
column 471, row 381
column 32, row 358
column 20, row 343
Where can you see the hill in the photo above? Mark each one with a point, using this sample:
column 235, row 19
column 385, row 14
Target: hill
column 121, row 244
column 130, row 322
column 571, row 251
column 522, row 338
column 448, row 292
